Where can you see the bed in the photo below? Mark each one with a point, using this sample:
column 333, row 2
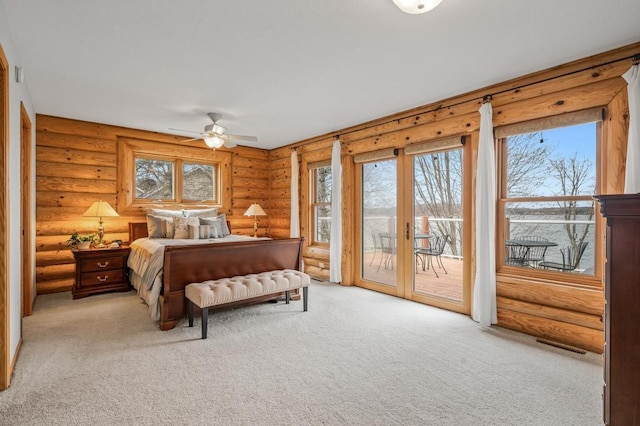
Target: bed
column 160, row 268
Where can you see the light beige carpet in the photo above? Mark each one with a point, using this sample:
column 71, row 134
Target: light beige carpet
column 356, row 358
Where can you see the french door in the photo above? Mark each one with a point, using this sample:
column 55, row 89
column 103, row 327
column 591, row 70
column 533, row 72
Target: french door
column 411, row 214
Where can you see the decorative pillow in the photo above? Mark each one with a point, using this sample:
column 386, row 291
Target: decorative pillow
column 202, row 232
column 211, row 231
column 155, row 226
column 194, row 232
column 165, row 213
column 225, row 227
column 214, row 223
column 212, row 212
column 168, row 227
column 181, row 226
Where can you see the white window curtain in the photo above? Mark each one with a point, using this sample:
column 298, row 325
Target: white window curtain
column 484, row 290
column 294, row 230
column 632, row 174
column 335, row 248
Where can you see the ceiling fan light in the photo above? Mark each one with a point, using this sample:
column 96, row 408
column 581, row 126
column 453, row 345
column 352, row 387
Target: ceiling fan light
column 214, row 141
column 416, row 7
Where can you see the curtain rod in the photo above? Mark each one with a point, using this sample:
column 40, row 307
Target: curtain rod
column 488, row 97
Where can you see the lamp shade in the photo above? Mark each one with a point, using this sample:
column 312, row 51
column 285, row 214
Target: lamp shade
column 100, row 209
column 255, row 210
column 416, row 7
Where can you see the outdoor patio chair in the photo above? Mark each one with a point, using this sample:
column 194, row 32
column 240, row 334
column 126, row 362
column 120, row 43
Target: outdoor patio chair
column 515, row 255
column 535, row 254
column 570, row 259
column 387, row 249
column 376, row 245
column 425, row 255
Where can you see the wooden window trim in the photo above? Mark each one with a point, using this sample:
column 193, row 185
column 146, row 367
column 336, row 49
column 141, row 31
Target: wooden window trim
column 129, row 149
column 578, row 280
column 313, row 202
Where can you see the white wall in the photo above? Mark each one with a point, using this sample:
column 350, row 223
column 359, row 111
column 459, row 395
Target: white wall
column 17, row 93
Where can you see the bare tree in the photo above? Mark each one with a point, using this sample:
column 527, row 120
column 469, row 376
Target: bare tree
column 527, row 157
column 323, row 198
column 154, row 178
column 438, row 192
column 574, row 177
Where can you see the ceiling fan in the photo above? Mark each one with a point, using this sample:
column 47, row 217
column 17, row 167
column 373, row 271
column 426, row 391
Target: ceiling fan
column 215, row 136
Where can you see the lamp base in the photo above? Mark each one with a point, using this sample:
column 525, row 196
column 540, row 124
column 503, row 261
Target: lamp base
column 255, row 228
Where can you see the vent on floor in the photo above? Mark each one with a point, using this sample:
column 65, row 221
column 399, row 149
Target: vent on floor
column 561, row 346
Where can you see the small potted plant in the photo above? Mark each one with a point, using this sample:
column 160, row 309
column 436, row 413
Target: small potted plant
column 81, row 241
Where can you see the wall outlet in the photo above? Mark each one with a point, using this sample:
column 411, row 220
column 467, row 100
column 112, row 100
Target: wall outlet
column 321, row 265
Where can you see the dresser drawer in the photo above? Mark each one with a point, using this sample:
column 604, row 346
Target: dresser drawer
column 101, row 264
column 101, row 277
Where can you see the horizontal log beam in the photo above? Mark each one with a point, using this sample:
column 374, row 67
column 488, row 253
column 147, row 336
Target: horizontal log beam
column 557, row 331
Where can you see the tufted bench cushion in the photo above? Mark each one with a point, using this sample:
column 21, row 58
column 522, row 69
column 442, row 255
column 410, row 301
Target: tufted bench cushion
column 226, row 290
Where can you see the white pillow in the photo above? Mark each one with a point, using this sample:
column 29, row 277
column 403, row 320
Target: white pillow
column 212, row 212
column 165, row 213
column 181, row 226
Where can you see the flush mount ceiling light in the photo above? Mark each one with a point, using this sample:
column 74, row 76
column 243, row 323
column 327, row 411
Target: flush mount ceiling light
column 416, row 7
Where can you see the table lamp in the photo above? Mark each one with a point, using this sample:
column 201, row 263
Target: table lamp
column 255, row 210
column 100, row 209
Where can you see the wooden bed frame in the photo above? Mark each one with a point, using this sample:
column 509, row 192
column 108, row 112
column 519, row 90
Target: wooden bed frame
column 196, row 263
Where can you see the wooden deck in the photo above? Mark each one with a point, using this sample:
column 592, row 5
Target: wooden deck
column 447, row 285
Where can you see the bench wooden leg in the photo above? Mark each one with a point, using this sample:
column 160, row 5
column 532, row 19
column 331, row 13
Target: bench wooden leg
column 190, row 309
column 305, row 297
column 287, row 297
column 205, row 322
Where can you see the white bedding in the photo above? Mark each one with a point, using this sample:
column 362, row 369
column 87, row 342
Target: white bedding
column 146, row 262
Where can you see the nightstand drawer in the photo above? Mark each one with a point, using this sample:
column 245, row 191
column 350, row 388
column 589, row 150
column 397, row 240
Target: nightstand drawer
column 101, row 264
column 102, row 277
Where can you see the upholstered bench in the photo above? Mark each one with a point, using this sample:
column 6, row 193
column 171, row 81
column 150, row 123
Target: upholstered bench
column 225, row 290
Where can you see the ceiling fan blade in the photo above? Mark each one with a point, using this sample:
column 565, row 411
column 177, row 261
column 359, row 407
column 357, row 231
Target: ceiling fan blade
column 243, row 138
column 194, row 139
column 229, row 144
column 182, row 130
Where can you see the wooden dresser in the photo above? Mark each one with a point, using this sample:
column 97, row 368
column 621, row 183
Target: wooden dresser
column 100, row 270
column 622, row 310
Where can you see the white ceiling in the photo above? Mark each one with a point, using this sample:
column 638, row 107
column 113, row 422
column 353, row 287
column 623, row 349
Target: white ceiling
column 286, row 70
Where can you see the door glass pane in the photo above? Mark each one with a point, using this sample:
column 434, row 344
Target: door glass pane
column 438, row 224
column 379, row 218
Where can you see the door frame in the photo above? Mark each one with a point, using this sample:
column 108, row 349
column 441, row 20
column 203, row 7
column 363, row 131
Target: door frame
column 26, row 238
column 5, row 327
column 405, row 271
column 399, row 289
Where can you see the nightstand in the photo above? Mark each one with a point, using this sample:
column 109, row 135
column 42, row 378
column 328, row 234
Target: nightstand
column 100, row 270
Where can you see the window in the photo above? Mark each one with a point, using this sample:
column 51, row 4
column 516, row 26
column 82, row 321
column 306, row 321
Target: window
column 156, row 179
column 321, row 203
column 167, row 173
column 199, row 182
column 548, row 214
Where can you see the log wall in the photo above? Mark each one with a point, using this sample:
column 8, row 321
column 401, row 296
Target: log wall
column 77, row 164
column 558, row 311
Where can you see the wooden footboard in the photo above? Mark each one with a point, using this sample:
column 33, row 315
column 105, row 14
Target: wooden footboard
column 196, row 263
